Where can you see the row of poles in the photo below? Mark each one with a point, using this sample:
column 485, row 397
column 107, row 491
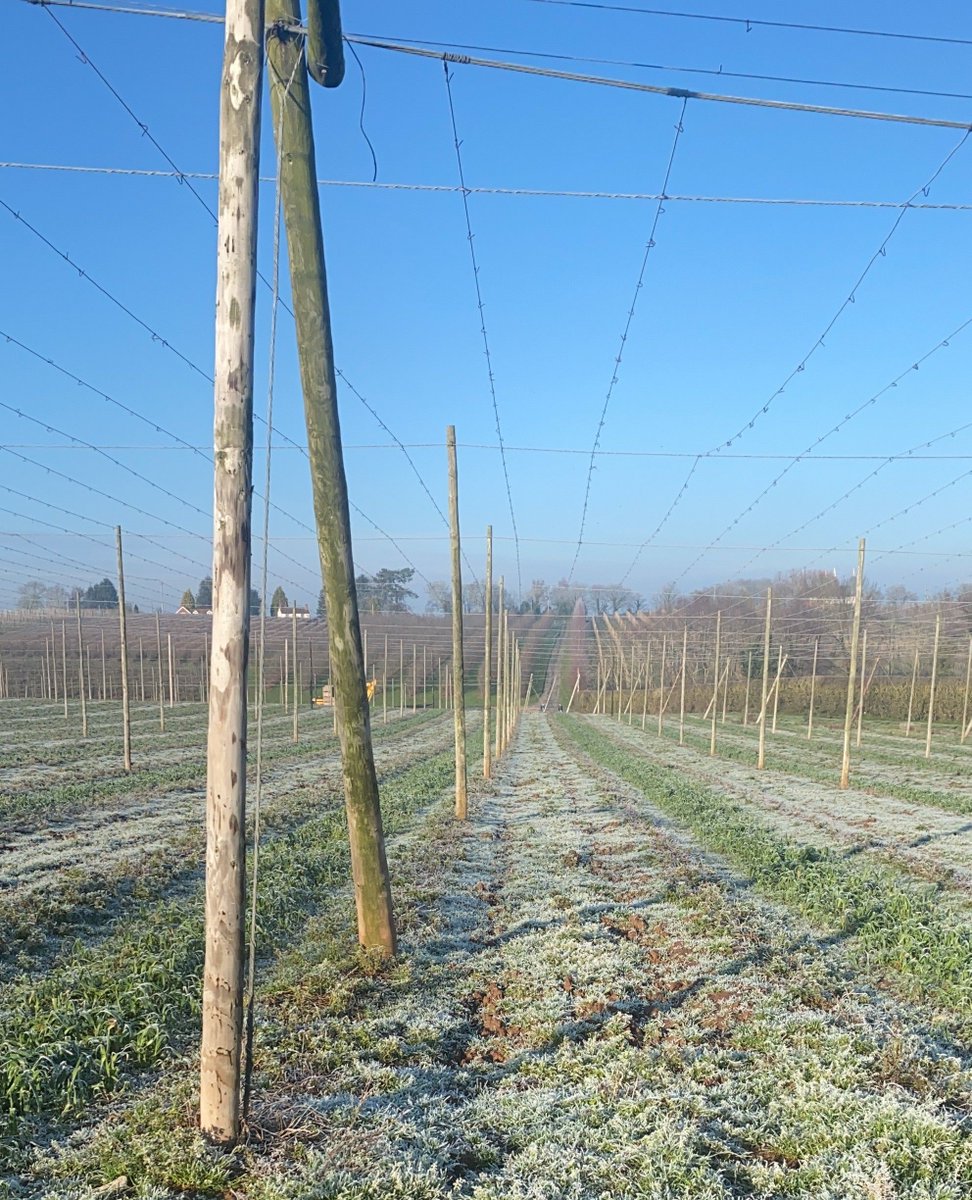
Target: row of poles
column 618, row 671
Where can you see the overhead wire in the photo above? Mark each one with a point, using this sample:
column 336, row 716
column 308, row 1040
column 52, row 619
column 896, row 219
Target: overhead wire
column 649, row 246
column 474, row 263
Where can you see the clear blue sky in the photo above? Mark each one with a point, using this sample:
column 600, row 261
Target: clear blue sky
column 734, row 295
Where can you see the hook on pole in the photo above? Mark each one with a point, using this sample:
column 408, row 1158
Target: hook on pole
column 325, row 45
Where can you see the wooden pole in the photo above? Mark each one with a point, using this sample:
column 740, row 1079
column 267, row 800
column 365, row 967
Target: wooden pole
column 761, row 754
column 860, row 703
column 104, row 668
column 813, row 687
column 931, row 687
column 458, row 682
column 285, row 676
column 296, row 733
column 89, row 674
column 500, row 663
column 852, row 669
column 64, row 675
column 749, row 680
column 414, row 679
column 488, row 656
column 574, row 692
column 239, row 148
column 725, row 691
column 661, row 689
column 965, row 704
column 81, row 689
column 681, row 714
column 911, row 696
column 123, row 637
column 384, row 686
column 290, row 100
column 172, row 679
column 715, row 693
column 141, row 671
column 401, row 677
column 54, row 671
column 776, row 694
column 158, row 642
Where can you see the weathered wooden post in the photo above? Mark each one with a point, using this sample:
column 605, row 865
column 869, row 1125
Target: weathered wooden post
column 911, row 694
column 715, row 685
column 965, row 703
column 384, row 686
column 661, row 688
column 813, row 687
column 681, row 714
column 761, row 755
column 458, row 686
column 488, row 656
column 172, row 675
column 123, row 635
column 931, row 686
column 852, row 669
column 64, row 676
column 414, row 679
column 84, row 707
column 500, row 663
column 863, row 689
column 749, row 679
column 296, row 733
column 290, row 99
column 158, row 643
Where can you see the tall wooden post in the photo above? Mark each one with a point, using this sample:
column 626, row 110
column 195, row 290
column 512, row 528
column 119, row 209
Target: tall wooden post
column 863, row 688
column 123, row 635
column 813, row 687
column 84, row 707
column 761, row 755
column 749, row 680
column 965, row 703
column 458, row 690
column 681, row 713
column 384, row 686
column 172, row 677
column 715, row 685
column 911, row 695
column 779, row 685
column 414, row 679
column 64, row 669
column 53, row 668
column 239, row 147
column 661, row 689
column 931, row 686
column 852, row 669
column 290, row 100
column 141, row 670
column 158, row 644
column 296, row 733
column 488, row 656
column 500, row 661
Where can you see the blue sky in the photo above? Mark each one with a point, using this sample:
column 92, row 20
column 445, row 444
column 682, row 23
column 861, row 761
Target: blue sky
column 734, row 297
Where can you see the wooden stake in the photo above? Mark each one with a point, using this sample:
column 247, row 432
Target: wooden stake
column 141, row 671
column 123, row 636
column 488, row 657
column 661, row 689
column 574, row 692
column 64, row 675
column 500, row 660
column 54, row 672
column 931, row 688
column 813, row 687
column 158, row 641
column 222, row 1014
column 458, row 679
column 860, row 703
column 965, row 704
column 172, row 678
column 761, row 756
column 681, row 715
column 715, row 693
column 104, row 669
column 749, row 679
column 384, row 686
column 911, row 697
column 296, row 733
column 852, row 669
column 414, row 680
column 776, row 695
column 81, row 657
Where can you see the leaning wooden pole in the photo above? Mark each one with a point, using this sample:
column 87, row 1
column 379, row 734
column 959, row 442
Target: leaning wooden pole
column 932, row 683
column 488, row 657
column 290, row 100
column 860, row 702
column 239, row 153
column 852, row 669
column 761, row 754
column 681, row 709
column 81, row 688
column 965, row 702
column 715, row 687
column 123, row 634
column 911, row 694
column 458, row 683
column 813, row 687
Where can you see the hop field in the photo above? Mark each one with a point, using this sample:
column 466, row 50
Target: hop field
column 635, row 972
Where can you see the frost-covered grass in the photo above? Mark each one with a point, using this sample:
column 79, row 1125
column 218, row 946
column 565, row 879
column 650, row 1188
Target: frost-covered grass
column 899, row 928
column 585, row 1006
column 923, row 840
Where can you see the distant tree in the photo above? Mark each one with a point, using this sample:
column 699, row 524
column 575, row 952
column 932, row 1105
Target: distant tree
column 56, row 596
column 204, row 593
column 440, row 597
column 188, row 600
column 536, row 598
column 321, row 605
column 100, row 595
column 32, row 594
column 278, row 601
column 473, row 597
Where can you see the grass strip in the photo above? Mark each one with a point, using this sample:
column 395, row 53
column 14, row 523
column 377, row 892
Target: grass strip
column 900, row 929
column 102, row 1013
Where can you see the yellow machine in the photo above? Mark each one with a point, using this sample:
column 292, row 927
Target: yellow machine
column 326, row 698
